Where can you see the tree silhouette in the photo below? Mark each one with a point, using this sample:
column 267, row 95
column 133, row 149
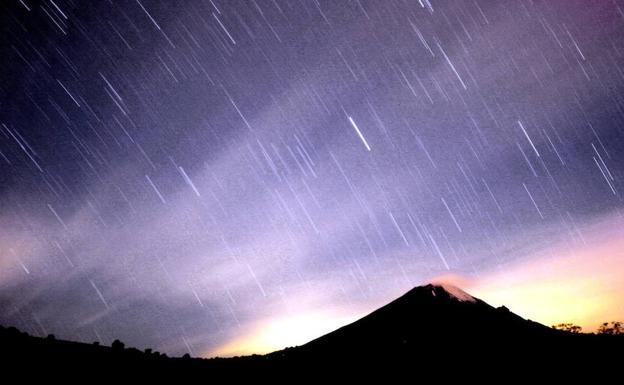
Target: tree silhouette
column 117, row 346
column 616, row 328
column 568, row 327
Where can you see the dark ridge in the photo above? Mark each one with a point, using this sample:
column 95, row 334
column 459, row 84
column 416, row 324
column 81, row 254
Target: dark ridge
column 430, row 328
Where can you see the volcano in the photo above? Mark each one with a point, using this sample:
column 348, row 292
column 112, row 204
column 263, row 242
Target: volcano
column 431, row 321
column 431, row 327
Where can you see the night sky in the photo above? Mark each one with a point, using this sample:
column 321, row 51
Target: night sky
column 177, row 174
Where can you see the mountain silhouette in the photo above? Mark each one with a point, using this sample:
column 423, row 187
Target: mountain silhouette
column 431, row 321
column 426, row 316
column 430, row 328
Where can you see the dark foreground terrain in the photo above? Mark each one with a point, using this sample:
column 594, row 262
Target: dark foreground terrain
column 431, row 329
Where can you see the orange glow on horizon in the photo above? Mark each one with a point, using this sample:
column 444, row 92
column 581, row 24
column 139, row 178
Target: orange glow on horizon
column 282, row 332
column 585, row 286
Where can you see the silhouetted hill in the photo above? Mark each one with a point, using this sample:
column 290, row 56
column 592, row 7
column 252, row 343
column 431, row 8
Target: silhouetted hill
column 432, row 317
column 430, row 328
column 437, row 325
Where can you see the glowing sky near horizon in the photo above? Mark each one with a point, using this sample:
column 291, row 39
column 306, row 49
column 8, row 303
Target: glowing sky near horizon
column 220, row 176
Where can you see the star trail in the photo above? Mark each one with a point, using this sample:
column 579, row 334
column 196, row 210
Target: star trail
column 172, row 173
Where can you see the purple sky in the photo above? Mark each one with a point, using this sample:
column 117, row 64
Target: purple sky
column 174, row 172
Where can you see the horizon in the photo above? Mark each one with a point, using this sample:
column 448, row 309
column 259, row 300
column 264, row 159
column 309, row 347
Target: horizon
column 256, row 344
column 199, row 177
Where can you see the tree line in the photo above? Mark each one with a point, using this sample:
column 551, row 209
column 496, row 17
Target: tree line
column 606, row 328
